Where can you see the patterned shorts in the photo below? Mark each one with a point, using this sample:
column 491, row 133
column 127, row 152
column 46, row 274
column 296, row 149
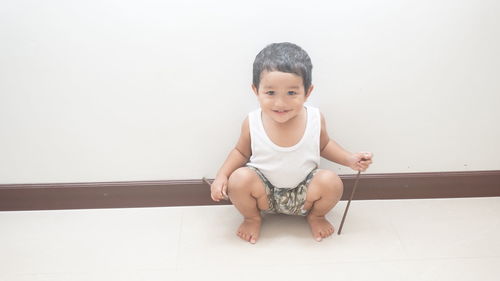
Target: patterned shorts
column 288, row 201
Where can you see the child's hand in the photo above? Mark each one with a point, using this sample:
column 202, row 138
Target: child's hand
column 360, row 161
column 218, row 189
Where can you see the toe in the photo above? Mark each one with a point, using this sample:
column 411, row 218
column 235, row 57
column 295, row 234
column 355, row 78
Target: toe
column 254, row 237
column 253, row 240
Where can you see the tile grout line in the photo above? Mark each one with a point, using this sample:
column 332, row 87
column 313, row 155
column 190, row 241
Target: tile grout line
column 179, row 240
column 402, row 243
column 393, row 260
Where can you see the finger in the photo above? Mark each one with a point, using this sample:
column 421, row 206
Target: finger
column 363, row 155
column 224, row 191
column 361, row 167
column 216, row 198
column 219, row 195
column 359, row 156
column 365, row 163
column 213, row 198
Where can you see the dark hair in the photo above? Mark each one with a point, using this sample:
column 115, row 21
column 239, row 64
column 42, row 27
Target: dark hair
column 284, row 57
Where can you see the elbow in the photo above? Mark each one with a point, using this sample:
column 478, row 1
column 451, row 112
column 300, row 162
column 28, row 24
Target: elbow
column 247, row 157
column 322, row 148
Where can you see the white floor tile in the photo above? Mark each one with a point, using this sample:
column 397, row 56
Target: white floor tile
column 454, row 227
column 484, row 269
column 119, row 275
column 421, row 240
column 47, row 242
column 487, row 269
column 367, row 236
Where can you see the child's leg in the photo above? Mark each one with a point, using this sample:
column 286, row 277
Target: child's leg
column 323, row 193
column 248, row 195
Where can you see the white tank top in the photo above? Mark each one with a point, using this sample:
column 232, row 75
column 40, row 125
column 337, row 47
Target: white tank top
column 285, row 167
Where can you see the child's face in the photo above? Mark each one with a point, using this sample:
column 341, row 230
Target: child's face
column 281, row 95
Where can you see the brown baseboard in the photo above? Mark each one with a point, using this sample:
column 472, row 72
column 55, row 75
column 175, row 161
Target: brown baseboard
column 195, row 192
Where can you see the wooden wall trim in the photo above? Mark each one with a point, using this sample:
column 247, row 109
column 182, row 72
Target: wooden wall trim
column 89, row 195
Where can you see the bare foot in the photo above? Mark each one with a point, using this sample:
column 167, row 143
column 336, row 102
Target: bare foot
column 320, row 227
column 249, row 230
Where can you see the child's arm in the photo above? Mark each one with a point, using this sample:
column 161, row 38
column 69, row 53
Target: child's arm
column 237, row 158
column 332, row 151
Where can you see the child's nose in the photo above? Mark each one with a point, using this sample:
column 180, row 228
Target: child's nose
column 279, row 101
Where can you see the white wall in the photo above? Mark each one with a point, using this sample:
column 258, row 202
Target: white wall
column 105, row 90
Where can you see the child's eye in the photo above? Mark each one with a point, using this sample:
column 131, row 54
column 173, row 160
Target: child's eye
column 271, row 93
column 292, row 93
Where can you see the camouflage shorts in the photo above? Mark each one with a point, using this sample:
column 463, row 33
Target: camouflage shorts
column 287, row 201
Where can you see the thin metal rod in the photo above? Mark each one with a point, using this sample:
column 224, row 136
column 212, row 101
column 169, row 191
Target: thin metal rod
column 206, row 181
column 349, row 203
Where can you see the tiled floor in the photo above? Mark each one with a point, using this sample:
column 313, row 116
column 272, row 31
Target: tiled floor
column 439, row 239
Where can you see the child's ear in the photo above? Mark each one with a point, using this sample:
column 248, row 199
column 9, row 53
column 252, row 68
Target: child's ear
column 308, row 93
column 255, row 90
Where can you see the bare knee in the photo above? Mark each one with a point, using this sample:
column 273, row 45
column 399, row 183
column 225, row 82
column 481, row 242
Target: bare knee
column 327, row 183
column 244, row 182
column 243, row 179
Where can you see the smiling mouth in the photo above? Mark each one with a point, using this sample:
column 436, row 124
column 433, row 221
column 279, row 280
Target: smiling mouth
column 281, row 111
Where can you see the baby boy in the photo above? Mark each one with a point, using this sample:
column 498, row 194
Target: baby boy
column 274, row 166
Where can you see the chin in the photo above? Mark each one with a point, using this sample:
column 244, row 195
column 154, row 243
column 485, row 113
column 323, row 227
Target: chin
column 283, row 119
